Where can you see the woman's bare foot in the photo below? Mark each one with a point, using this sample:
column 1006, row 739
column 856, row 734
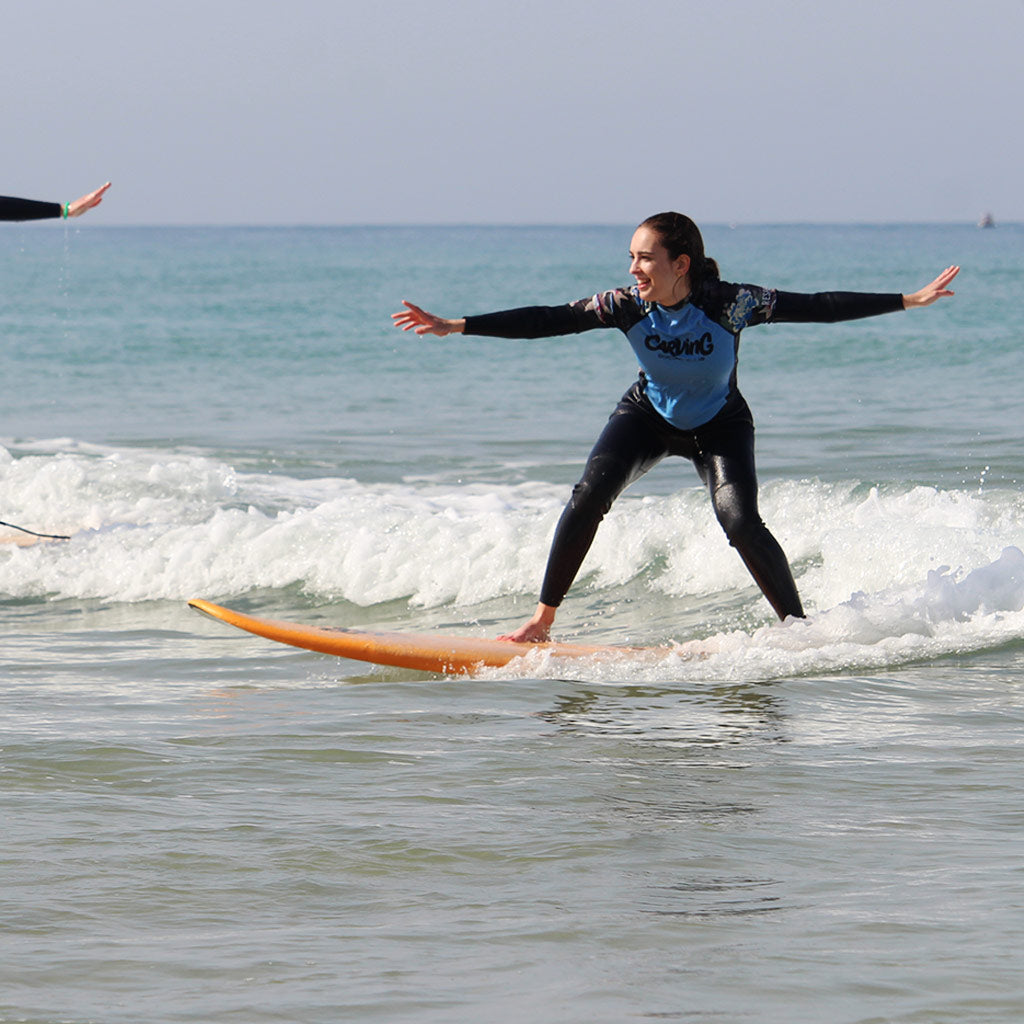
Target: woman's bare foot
column 537, row 630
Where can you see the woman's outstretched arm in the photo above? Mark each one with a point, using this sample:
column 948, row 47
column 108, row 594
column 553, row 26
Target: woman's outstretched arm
column 12, row 208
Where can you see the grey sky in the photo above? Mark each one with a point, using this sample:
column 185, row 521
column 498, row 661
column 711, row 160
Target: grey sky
column 533, row 111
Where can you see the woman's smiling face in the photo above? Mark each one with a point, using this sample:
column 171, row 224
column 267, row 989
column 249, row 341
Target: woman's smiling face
column 659, row 278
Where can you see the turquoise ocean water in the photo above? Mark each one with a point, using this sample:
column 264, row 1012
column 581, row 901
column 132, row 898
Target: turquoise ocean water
column 813, row 822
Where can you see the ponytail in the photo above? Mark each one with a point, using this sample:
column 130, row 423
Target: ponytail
column 710, row 271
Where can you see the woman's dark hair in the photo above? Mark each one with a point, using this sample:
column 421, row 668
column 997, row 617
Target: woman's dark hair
column 680, row 235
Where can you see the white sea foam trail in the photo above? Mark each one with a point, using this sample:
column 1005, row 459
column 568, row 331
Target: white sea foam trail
column 886, row 575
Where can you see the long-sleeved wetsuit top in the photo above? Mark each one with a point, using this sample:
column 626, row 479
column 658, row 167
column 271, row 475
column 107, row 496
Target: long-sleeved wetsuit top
column 27, row 209
column 687, row 353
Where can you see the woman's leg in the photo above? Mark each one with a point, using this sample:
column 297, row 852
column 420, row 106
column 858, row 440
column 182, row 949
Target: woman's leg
column 627, row 448
column 726, row 464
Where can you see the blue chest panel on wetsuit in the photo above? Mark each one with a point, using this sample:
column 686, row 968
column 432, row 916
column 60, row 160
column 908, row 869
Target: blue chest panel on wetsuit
column 688, row 352
column 689, row 361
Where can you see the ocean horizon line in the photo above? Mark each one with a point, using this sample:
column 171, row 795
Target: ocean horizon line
column 531, row 225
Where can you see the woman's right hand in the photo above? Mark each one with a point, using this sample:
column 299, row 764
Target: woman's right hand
column 537, row 630
column 412, row 318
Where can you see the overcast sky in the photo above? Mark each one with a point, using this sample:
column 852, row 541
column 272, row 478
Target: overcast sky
column 517, row 111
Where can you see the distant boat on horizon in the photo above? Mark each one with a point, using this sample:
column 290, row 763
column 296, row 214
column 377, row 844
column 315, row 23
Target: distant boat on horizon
column 987, row 221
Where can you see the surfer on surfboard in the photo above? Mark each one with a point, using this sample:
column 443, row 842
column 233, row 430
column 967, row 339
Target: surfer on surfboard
column 684, row 323
column 34, row 209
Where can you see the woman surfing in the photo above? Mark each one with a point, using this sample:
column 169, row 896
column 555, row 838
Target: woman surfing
column 683, row 323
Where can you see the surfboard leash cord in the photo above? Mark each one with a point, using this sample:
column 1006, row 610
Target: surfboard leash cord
column 32, row 533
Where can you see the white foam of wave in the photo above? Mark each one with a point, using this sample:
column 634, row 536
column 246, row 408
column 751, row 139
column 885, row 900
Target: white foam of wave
column 887, row 575
column 950, row 613
column 149, row 526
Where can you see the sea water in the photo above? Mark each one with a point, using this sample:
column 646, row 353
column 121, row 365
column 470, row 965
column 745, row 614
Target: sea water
column 802, row 822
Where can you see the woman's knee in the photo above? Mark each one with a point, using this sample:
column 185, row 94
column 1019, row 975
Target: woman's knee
column 740, row 519
column 602, row 482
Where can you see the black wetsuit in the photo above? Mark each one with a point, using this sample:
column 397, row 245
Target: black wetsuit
column 685, row 403
column 28, row 209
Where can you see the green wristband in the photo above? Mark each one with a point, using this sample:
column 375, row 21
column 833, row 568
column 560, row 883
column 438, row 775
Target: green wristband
column 67, row 208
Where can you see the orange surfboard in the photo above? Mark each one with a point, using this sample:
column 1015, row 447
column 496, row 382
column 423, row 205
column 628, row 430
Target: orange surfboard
column 448, row 655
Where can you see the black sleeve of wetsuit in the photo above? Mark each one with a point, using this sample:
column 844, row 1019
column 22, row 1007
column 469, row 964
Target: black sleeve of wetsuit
column 527, row 322
column 831, row 307
column 27, row 209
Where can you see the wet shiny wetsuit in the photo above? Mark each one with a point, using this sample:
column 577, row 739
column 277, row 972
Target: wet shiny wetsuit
column 685, row 403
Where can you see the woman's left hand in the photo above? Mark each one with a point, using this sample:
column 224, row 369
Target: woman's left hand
column 932, row 292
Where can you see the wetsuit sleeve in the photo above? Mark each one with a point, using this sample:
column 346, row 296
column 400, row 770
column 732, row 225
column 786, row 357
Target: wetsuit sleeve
column 606, row 309
column 831, row 307
column 27, row 209
column 525, row 322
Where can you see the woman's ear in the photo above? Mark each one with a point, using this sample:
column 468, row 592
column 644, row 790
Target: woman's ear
column 682, row 264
